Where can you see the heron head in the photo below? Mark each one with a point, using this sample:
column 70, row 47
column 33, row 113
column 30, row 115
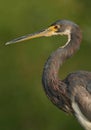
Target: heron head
column 63, row 27
column 60, row 27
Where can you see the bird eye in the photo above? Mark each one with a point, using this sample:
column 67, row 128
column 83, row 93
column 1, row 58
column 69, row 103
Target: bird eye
column 57, row 26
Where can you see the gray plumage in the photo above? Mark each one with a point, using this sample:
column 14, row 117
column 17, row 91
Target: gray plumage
column 73, row 94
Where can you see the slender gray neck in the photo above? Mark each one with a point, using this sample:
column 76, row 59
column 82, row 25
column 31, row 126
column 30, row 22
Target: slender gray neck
column 56, row 59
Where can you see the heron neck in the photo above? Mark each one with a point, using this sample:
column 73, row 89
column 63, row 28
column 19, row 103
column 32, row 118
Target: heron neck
column 57, row 58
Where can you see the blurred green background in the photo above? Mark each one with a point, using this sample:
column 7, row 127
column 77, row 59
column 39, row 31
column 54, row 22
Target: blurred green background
column 23, row 103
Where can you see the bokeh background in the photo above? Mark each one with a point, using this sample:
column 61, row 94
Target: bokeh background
column 23, row 103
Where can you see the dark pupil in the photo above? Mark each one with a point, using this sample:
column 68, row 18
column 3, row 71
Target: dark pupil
column 56, row 27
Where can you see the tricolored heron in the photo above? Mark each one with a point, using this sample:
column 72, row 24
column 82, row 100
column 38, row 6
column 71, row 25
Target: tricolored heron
column 73, row 94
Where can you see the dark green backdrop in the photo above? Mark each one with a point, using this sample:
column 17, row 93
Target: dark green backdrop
column 23, row 103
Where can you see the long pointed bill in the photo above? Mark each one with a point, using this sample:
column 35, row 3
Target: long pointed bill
column 47, row 32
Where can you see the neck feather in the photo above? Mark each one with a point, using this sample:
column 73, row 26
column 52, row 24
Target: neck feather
column 50, row 73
